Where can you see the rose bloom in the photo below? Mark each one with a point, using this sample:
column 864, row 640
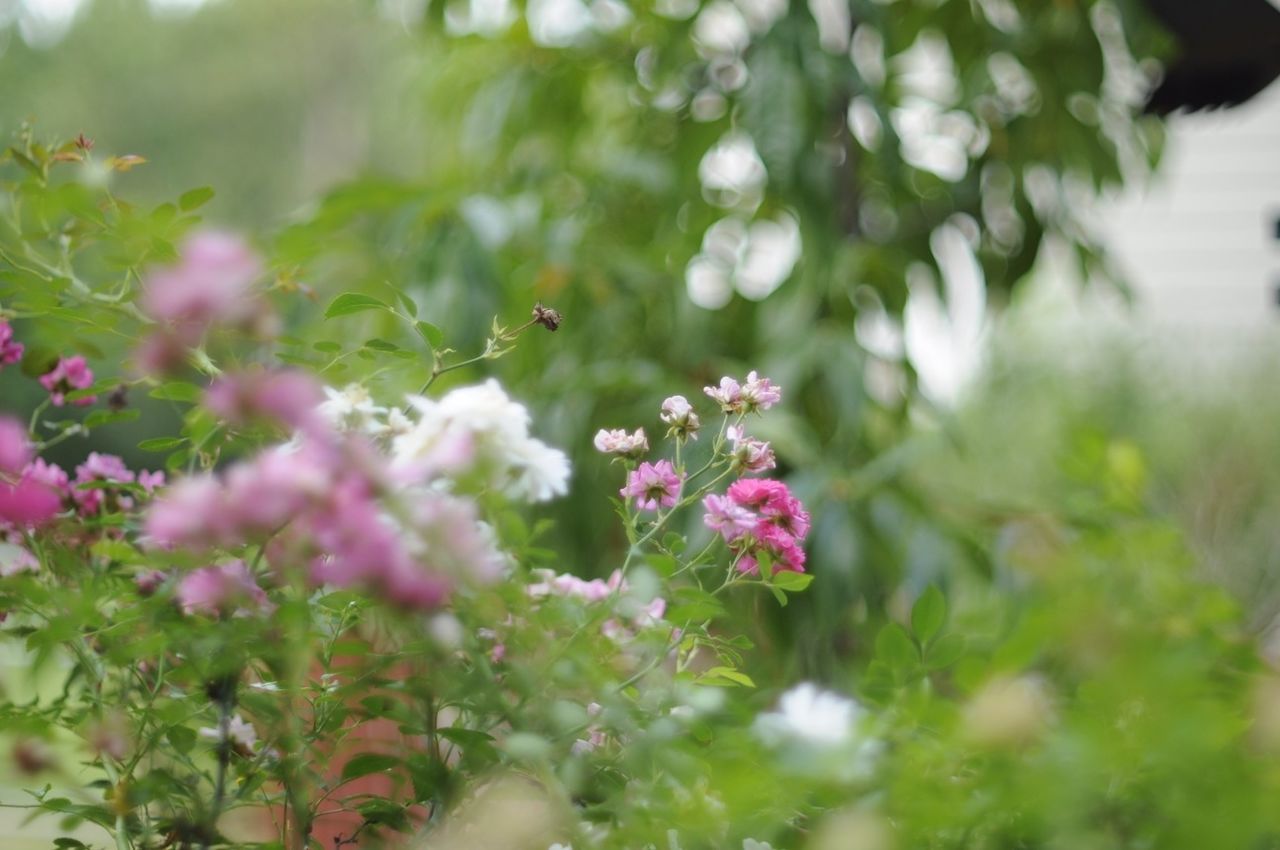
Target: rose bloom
column 10, row 351
column 210, row 283
column 71, row 373
column 679, row 414
column 619, row 442
column 653, row 485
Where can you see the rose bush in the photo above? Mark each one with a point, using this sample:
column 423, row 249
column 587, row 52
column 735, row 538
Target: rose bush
column 325, row 616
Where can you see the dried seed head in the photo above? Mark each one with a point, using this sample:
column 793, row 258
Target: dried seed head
column 547, row 317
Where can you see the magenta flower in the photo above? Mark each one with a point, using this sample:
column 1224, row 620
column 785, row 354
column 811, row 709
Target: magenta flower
column 619, row 442
column 15, row 450
column 760, row 517
column 222, row 589
column 35, row 497
column 71, row 373
column 10, row 351
column 653, row 485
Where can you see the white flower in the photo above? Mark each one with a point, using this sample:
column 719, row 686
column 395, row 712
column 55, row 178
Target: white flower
column 352, row 408
column 240, row 733
column 480, row 427
column 817, row 717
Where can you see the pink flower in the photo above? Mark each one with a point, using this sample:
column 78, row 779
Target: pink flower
column 678, row 413
column 71, row 373
column 191, row 514
column 750, row 454
column 35, row 498
column 211, row 283
column 222, row 589
column 755, row 395
column 149, row 581
column 783, row 550
column 760, row 517
column 290, row 397
column 15, row 450
column 15, row 558
column 619, row 442
column 100, row 468
column 727, row 517
column 653, row 485
column 728, row 395
column 10, row 351
column 759, row 393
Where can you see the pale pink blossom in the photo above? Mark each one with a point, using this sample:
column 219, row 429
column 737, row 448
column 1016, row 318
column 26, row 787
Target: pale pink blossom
column 748, row 453
column 619, row 442
column 10, row 351
column 99, row 469
column 15, row 558
column 727, row 517
column 15, row 449
column 288, row 396
column 653, row 485
column 728, row 395
column 678, row 413
column 239, row 733
column 222, row 589
column 71, row 373
column 149, row 581
column 759, row 393
column 211, row 283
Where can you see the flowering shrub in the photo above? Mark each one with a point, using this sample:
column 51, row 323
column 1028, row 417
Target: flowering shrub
column 330, row 618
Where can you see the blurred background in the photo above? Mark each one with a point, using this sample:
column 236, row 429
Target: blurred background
column 987, row 282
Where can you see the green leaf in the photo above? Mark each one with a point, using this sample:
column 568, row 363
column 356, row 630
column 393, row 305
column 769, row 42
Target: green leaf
column 328, row 346
column 353, row 302
column 177, row 391
column 433, row 336
column 161, row 444
column 367, row 763
column 928, row 614
column 895, row 648
column 792, row 582
column 195, row 198
column 381, row 345
column 728, row 674
column 946, row 651
column 410, row 306
column 104, row 417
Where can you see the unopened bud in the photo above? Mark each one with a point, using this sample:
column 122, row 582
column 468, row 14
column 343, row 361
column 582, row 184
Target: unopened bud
column 32, row 756
column 547, row 317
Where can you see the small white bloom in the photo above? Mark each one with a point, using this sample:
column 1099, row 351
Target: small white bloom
column 815, row 716
column 352, row 408
column 240, row 733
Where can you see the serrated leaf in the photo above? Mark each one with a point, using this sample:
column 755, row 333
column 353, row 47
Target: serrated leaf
column 353, row 302
column 928, row 614
column 195, row 198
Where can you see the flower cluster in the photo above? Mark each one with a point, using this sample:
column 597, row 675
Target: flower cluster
column 355, row 515
column 760, row 518
column 33, row 491
column 640, row 615
column 483, row 430
column 755, row 394
column 70, row 374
